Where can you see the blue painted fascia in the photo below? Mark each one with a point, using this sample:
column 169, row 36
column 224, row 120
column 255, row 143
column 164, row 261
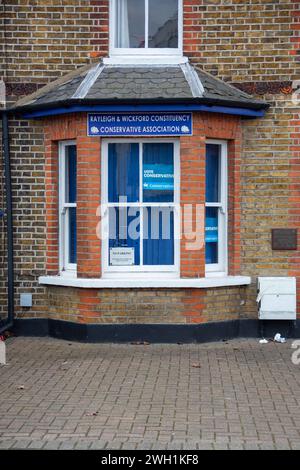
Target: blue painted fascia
column 145, row 108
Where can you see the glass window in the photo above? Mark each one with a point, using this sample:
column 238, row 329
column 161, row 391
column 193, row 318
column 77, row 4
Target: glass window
column 67, row 202
column 123, row 172
column 146, row 24
column 212, row 173
column 163, row 24
column 211, row 235
column 158, row 239
column 72, row 258
column 141, row 205
column 158, row 172
column 130, row 24
column 216, row 207
column 124, row 236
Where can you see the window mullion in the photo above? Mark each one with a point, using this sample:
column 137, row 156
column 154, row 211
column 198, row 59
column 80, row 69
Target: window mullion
column 214, row 204
column 122, row 204
column 146, row 24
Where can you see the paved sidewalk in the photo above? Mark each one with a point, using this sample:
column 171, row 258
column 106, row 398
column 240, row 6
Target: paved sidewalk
column 61, row 395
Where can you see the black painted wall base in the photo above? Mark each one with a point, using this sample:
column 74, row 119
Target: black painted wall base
column 155, row 333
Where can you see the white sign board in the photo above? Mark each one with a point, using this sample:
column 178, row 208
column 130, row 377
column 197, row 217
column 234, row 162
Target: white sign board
column 121, row 256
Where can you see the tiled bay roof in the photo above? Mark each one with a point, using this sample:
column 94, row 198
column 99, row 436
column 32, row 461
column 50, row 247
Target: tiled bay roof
column 102, row 84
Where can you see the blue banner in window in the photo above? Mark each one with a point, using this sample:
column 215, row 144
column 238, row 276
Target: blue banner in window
column 211, row 229
column 139, row 124
column 158, row 177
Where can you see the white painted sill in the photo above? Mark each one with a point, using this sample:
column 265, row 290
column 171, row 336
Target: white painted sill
column 119, row 283
column 142, row 60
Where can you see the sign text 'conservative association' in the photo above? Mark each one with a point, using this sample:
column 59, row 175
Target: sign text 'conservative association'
column 139, row 124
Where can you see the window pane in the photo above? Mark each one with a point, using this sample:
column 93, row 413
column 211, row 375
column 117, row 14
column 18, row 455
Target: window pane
column 71, row 170
column 163, row 23
column 130, row 23
column 158, row 172
column 72, row 235
column 123, row 172
column 211, row 235
column 158, row 243
column 124, row 236
column 212, row 172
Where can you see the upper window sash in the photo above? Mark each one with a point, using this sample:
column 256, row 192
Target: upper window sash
column 147, row 50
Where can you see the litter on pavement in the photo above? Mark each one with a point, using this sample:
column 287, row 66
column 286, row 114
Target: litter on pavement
column 279, row 339
column 263, row 341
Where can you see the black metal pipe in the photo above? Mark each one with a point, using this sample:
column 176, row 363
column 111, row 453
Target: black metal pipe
column 9, row 224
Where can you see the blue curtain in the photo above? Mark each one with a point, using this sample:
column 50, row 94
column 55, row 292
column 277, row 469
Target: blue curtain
column 123, row 172
column 212, row 172
column 71, row 167
column 72, row 235
column 158, row 243
column 72, row 172
column 123, row 180
column 212, row 195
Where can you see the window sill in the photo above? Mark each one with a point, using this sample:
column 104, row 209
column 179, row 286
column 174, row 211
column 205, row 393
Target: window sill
column 148, row 60
column 119, row 283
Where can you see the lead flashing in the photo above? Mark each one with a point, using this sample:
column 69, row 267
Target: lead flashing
column 193, row 80
column 88, row 82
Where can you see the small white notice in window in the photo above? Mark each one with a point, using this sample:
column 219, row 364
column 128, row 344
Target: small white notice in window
column 121, row 256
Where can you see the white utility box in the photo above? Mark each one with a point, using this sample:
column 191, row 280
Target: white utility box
column 276, row 298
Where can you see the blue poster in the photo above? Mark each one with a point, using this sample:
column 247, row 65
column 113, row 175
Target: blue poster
column 139, row 124
column 211, row 229
column 158, row 177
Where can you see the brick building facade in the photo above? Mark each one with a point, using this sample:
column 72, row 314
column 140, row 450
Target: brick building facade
column 253, row 45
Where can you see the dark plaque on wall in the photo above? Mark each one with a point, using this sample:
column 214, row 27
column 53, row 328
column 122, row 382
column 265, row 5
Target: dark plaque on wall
column 284, row 239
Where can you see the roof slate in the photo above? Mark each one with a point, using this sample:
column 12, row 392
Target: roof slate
column 138, row 83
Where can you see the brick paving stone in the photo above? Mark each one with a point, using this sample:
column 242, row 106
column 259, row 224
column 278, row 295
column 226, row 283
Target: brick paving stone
column 82, row 445
column 295, row 445
column 204, row 445
column 52, row 445
column 134, row 397
column 267, row 446
column 36, row 444
column 99, row 445
column 21, row 444
column 68, row 445
column 220, row 446
column 6, row 444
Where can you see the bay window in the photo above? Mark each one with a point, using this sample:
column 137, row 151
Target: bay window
column 67, row 206
column 146, row 27
column 216, row 208
column 140, row 192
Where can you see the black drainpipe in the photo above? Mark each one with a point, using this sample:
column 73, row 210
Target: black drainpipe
column 9, row 226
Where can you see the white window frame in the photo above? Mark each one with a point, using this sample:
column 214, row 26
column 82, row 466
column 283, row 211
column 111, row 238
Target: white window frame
column 145, row 52
column 141, row 271
column 221, row 268
column 65, row 268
